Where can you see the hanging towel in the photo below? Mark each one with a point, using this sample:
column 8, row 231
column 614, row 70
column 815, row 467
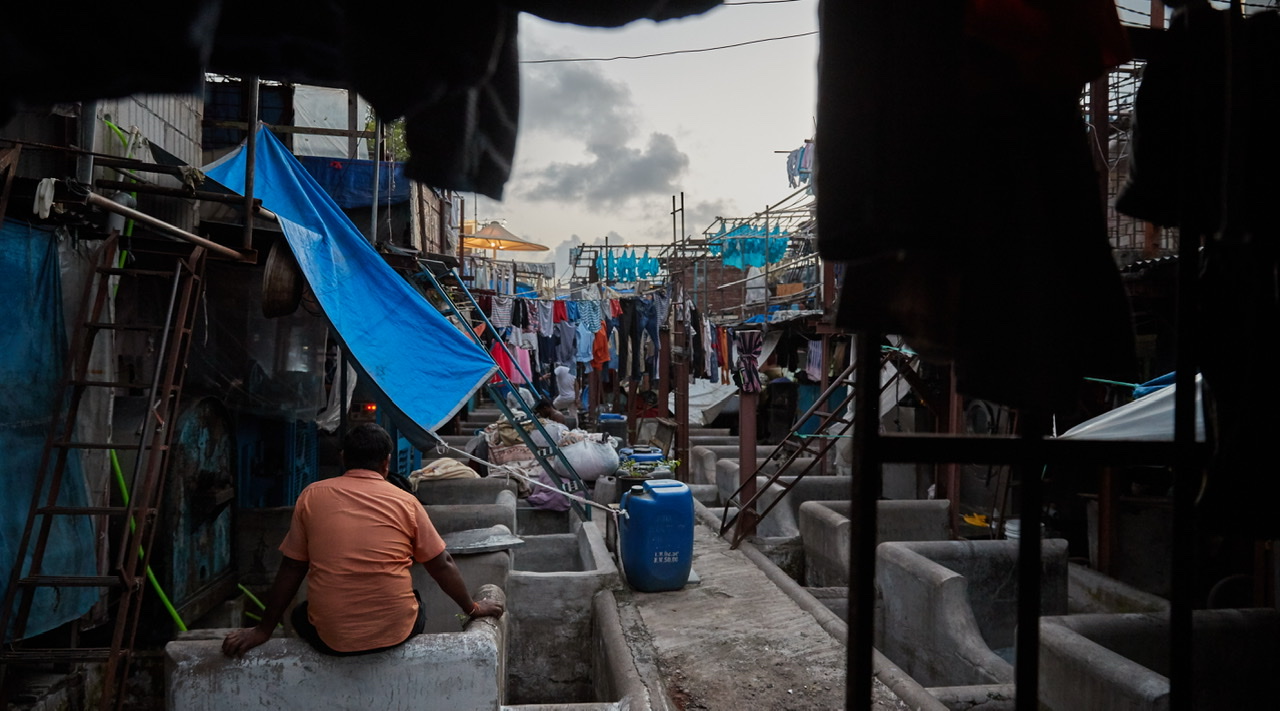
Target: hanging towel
column 560, row 311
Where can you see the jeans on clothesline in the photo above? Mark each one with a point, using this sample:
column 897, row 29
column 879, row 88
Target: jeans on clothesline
column 648, row 323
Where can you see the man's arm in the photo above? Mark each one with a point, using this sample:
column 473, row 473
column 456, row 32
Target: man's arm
column 445, row 573
column 288, row 579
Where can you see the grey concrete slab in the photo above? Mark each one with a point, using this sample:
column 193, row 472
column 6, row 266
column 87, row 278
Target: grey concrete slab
column 462, row 671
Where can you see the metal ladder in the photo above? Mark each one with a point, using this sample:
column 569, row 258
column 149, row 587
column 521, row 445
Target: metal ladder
column 833, row 426
column 544, row 455
column 139, row 514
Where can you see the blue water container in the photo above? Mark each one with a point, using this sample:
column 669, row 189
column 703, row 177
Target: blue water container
column 641, row 454
column 655, row 538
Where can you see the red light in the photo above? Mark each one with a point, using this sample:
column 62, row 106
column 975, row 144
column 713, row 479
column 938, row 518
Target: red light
column 370, row 407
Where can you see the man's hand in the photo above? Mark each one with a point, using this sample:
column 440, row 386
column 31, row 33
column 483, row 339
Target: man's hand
column 487, row 608
column 240, row 641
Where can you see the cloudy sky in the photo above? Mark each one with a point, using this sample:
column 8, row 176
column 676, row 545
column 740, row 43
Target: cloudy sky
column 604, row 145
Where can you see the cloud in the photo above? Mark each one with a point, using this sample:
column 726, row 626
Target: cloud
column 577, row 102
column 579, row 105
column 613, row 175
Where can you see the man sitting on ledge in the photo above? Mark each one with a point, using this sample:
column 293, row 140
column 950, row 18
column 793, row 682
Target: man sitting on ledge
column 354, row 538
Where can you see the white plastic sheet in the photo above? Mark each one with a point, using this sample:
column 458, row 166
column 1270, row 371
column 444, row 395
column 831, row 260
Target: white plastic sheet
column 1148, row 418
column 706, row 400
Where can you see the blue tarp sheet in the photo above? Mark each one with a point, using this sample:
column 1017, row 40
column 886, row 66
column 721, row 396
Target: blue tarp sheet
column 32, row 353
column 350, row 182
column 425, row 368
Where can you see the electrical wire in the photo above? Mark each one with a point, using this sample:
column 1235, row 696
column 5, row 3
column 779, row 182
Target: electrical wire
column 561, row 60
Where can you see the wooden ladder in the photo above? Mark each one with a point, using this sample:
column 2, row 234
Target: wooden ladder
column 131, row 552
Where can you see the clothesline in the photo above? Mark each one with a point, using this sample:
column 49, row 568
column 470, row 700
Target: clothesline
column 511, row 471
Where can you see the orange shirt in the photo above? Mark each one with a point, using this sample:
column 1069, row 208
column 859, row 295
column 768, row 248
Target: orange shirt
column 360, row 534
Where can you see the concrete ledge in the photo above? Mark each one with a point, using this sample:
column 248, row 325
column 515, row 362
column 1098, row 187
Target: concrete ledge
column 463, row 671
column 824, row 527
column 944, row 607
column 1089, row 591
column 1114, row 662
column 616, row 674
column 985, row 697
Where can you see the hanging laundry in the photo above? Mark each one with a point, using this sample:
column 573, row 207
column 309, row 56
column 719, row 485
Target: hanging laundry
column 567, row 344
column 813, row 362
column 600, row 348
column 501, row 316
column 546, row 318
column 585, row 342
column 534, row 316
column 560, row 311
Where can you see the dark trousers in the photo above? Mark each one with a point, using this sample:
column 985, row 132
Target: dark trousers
column 647, row 317
column 629, row 340
column 308, row 631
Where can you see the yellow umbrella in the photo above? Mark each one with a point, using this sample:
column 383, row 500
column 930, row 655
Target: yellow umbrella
column 496, row 237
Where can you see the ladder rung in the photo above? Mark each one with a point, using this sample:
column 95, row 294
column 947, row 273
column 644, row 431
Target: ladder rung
column 72, row 581
column 88, row 510
column 104, row 445
column 112, row 384
column 134, row 272
column 124, row 326
column 51, row 656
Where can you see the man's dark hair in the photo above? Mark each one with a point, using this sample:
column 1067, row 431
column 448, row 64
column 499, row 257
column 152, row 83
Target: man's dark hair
column 366, row 446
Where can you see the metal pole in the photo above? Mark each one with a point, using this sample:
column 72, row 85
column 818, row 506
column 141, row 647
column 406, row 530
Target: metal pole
column 864, row 492
column 747, row 463
column 112, row 206
column 681, row 358
column 353, row 119
column 1027, row 668
column 766, row 264
column 251, row 160
column 377, row 177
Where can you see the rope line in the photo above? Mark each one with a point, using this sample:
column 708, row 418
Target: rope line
column 511, row 471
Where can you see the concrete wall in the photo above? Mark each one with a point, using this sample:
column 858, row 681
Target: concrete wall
column 462, row 671
column 1089, row 591
column 944, row 608
column 1113, row 662
column 553, row 580
column 825, row 531
column 463, row 504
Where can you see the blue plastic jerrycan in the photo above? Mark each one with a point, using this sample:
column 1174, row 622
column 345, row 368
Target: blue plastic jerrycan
column 655, row 538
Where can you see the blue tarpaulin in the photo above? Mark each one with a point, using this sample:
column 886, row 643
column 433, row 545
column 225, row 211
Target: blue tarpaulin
column 32, row 353
column 425, row 368
column 350, row 182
